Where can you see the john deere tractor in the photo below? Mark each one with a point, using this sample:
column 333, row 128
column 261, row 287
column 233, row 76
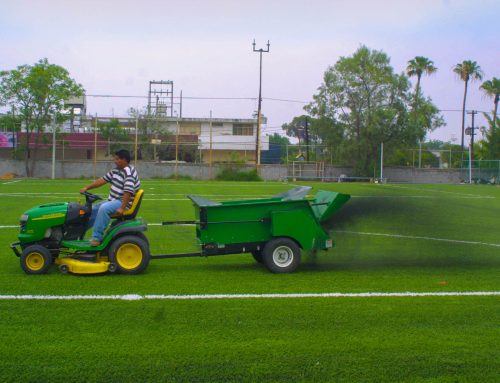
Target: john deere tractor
column 53, row 233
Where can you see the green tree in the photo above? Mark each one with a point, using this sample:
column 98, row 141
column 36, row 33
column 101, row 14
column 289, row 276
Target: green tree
column 467, row 71
column 418, row 66
column 492, row 89
column 364, row 99
column 296, row 128
column 37, row 92
column 492, row 139
column 278, row 139
column 114, row 133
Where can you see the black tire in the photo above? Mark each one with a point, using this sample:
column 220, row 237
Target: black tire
column 257, row 255
column 141, row 235
column 36, row 259
column 281, row 255
column 130, row 253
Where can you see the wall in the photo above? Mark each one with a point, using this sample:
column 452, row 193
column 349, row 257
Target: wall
column 85, row 169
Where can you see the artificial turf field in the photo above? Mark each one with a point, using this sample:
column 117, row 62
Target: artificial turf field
column 389, row 238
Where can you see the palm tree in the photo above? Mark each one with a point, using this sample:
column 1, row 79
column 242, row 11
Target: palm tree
column 418, row 66
column 467, row 70
column 492, row 88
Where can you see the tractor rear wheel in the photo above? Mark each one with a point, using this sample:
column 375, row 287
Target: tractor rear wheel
column 130, row 253
column 35, row 259
column 281, row 255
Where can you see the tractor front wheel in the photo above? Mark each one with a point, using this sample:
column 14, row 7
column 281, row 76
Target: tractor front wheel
column 130, row 254
column 35, row 259
column 281, row 255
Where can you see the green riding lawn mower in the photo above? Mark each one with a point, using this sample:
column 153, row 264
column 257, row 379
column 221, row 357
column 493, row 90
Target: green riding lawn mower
column 54, row 233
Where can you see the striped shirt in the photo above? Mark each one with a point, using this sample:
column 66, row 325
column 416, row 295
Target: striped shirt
column 123, row 180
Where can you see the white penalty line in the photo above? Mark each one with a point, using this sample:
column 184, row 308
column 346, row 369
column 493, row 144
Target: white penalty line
column 136, row 297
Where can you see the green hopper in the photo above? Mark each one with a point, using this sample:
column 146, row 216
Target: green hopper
column 274, row 230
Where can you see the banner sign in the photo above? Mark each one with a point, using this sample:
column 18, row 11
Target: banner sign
column 7, row 140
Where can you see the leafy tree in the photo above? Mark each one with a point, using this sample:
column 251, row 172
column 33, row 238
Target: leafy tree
column 37, row 92
column 296, row 128
column 278, row 139
column 114, row 133
column 418, row 66
column 366, row 104
column 492, row 89
column 492, row 139
column 467, row 71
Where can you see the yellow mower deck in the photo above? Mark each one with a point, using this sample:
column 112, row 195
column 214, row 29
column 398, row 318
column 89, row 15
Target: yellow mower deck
column 77, row 266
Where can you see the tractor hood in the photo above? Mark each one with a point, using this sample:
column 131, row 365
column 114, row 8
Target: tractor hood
column 53, row 210
column 35, row 221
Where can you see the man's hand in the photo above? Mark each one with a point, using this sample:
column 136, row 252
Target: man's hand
column 98, row 182
column 120, row 211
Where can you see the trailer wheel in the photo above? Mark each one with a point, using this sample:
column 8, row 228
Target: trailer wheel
column 130, row 253
column 281, row 255
column 35, row 259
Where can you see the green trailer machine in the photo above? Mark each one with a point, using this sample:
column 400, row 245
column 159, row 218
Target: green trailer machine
column 274, row 230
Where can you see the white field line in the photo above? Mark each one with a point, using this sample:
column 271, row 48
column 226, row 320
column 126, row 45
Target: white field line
column 429, row 190
column 136, row 297
column 174, row 183
column 348, row 232
column 226, row 196
column 11, row 182
column 153, row 194
column 418, row 237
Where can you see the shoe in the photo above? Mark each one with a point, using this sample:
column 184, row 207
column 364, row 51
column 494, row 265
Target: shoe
column 95, row 242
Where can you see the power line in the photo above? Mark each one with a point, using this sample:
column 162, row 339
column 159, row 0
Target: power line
column 184, row 97
column 244, row 98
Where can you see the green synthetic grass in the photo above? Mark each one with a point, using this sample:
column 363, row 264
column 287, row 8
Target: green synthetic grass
column 318, row 339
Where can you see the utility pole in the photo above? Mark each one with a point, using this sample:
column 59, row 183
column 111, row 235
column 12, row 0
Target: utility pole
column 257, row 139
column 307, row 137
column 54, row 125
column 210, row 150
column 471, row 132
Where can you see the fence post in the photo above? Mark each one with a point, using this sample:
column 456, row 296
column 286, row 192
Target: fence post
column 54, row 146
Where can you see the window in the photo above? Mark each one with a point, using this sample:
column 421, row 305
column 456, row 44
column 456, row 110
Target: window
column 242, row 130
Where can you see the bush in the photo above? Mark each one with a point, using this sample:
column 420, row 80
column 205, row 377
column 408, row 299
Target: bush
column 233, row 174
column 179, row 177
column 173, row 177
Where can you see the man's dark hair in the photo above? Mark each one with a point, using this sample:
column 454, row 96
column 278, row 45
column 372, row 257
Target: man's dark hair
column 123, row 154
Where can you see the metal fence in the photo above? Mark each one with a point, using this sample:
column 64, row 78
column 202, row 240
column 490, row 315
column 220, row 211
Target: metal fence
column 481, row 171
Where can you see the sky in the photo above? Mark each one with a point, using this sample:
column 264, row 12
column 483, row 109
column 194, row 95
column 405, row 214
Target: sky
column 116, row 47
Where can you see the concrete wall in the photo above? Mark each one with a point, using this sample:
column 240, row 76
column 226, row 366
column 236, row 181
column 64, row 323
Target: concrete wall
column 85, row 169
column 422, row 176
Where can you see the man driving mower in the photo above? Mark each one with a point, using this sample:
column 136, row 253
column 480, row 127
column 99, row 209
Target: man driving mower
column 124, row 185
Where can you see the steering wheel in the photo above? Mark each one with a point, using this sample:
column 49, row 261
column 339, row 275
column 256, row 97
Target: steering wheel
column 90, row 198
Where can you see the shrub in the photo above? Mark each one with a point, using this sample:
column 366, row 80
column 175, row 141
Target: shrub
column 234, row 174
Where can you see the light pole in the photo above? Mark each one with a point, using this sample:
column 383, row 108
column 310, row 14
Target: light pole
column 257, row 139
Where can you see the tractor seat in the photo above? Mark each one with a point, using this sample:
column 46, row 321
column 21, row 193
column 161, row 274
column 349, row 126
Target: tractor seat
column 132, row 212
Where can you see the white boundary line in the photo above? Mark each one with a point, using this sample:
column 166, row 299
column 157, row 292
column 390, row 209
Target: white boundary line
column 11, row 182
column 418, row 237
column 135, row 297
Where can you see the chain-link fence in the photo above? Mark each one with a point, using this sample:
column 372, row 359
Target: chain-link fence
column 481, row 171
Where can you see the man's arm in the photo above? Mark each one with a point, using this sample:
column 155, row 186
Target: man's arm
column 98, row 182
column 125, row 199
